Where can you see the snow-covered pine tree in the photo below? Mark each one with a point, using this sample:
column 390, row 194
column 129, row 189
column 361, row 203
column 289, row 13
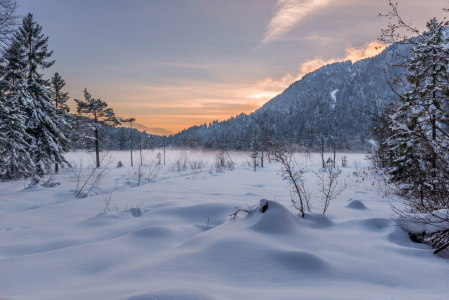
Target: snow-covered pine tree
column 15, row 159
column 58, row 96
column 48, row 142
column 420, row 124
column 98, row 113
column 15, row 66
column 35, row 44
column 8, row 21
column 59, row 99
column 420, row 138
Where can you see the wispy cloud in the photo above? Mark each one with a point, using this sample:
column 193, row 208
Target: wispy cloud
column 288, row 14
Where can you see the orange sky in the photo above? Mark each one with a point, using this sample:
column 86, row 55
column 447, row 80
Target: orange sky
column 175, row 64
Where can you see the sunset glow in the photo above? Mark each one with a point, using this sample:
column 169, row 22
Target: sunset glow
column 204, row 60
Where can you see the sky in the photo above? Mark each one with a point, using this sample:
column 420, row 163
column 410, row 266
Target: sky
column 177, row 63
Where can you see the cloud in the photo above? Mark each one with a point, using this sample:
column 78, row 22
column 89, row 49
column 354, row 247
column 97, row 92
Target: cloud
column 289, row 13
column 180, row 104
column 268, row 87
column 353, row 54
column 369, row 50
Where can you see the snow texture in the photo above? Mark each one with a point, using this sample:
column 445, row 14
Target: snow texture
column 334, row 98
column 173, row 238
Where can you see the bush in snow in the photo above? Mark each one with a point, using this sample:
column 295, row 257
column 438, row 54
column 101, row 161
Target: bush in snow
column 328, row 183
column 299, row 192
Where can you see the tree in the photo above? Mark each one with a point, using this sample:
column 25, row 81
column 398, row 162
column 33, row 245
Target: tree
column 300, row 194
column 59, row 100
column 15, row 159
column 8, row 20
column 420, row 124
column 98, row 113
column 47, row 141
column 131, row 121
column 420, row 134
column 36, row 46
column 15, row 63
column 58, row 96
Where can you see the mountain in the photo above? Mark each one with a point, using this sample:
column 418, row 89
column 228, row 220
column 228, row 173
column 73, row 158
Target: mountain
column 323, row 105
column 154, row 131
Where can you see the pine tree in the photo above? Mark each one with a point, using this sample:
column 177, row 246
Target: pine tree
column 98, row 113
column 15, row 159
column 420, row 140
column 58, row 97
column 420, row 124
column 48, row 142
column 36, row 46
column 16, row 64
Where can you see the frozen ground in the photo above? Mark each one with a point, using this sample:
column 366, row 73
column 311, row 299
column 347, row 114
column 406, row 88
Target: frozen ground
column 173, row 238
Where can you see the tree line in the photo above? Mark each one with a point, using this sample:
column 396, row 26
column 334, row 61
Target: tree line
column 36, row 126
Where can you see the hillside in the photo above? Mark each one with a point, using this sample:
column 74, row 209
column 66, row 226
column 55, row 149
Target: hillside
column 323, row 102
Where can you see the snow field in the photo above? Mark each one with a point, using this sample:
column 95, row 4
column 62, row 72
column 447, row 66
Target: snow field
column 172, row 238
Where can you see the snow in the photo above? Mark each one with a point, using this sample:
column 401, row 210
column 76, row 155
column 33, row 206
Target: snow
column 173, row 238
column 334, row 97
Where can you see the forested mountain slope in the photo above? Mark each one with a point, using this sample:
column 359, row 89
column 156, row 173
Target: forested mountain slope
column 322, row 105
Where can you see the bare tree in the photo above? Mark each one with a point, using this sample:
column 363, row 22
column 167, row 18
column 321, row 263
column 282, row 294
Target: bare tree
column 153, row 169
column 139, row 172
column 321, row 137
column 254, row 156
column 107, row 198
column 181, row 162
column 131, row 121
column 328, row 184
column 196, row 167
column 223, row 160
column 96, row 176
column 300, row 194
column 74, row 171
column 235, row 214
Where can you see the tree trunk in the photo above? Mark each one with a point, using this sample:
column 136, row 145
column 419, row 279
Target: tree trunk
column 322, row 151
column 131, row 143
column 56, row 105
column 441, row 248
column 97, row 148
column 334, row 153
column 140, row 148
column 434, row 125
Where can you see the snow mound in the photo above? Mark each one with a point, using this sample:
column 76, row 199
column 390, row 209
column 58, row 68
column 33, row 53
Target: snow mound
column 182, row 293
column 302, row 261
column 356, row 204
column 277, row 219
column 318, row 220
